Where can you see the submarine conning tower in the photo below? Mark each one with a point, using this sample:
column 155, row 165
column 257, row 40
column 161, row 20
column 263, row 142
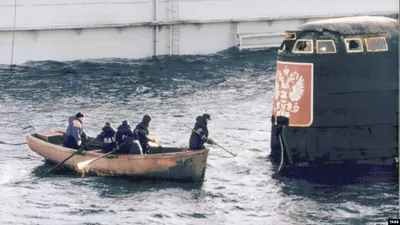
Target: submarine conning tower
column 337, row 84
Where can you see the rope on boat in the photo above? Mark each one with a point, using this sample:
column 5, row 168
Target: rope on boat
column 282, row 150
column 13, row 36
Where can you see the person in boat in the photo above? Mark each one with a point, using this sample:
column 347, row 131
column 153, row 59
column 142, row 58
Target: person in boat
column 197, row 141
column 141, row 133
column 75, row 136
column 126, row 143
column 123, row 131
column 107, row 136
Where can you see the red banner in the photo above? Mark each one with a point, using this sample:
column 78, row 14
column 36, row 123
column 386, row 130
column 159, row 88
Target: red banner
column 294, row 93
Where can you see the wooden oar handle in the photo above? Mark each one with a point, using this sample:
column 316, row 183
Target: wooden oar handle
column 159, row 144
column 225, row 149
column 192, row 129
column 86, row 163
column 155, row 141
column 215, row 143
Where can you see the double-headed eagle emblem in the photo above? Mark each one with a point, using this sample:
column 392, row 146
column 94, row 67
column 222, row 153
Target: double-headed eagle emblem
column 289, row 89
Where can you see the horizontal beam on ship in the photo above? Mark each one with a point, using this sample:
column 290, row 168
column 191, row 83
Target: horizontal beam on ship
column 179, row 22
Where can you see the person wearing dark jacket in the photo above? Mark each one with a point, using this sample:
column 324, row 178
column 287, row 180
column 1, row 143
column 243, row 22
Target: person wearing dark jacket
column 126, row 141
column 107, row 136
column 197, row 141
column 123, row 131
column 75, row 136
column 141, row 133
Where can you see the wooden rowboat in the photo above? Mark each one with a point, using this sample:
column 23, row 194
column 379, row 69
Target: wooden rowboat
column 161, row 163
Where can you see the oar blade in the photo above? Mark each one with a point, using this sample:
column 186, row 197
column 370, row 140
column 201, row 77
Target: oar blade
column 84, row 164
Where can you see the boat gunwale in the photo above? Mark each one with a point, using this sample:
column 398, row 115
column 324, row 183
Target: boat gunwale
column 94, row 154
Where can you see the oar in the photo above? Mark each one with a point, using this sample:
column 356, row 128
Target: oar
column 215, row 143
column 155, row 141
column 5, row 143
column 62, row 162
column 86, row 163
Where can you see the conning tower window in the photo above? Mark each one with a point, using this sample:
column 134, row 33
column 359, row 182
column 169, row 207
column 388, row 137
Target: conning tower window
column 303, row 46
column 377, row 44
column 326, row 47
column 354, row 45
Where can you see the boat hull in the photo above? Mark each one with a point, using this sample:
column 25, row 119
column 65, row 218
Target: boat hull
column 187, row 165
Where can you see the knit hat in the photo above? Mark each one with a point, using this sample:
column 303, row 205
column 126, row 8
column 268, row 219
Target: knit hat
column 125, row 122
column 79, row 115
column 206, row 116
column 146, row 119
column 107, row 124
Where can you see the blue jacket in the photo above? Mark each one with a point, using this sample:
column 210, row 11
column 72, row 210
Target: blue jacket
column 75, row 129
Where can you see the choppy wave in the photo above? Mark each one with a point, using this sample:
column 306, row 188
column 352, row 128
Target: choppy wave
column 234, row 87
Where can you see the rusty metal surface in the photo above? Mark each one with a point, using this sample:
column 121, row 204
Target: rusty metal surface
column 355, row 25
column 189, row 165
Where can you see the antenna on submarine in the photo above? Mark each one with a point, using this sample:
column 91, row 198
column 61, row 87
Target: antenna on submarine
column 13, row 36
